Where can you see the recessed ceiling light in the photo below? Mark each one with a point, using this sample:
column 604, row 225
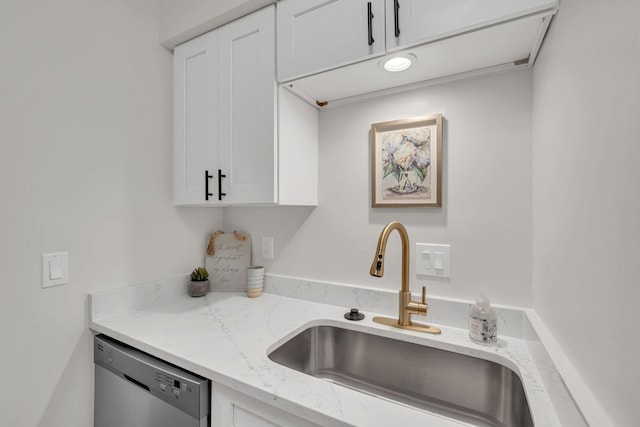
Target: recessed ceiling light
column 398, row 63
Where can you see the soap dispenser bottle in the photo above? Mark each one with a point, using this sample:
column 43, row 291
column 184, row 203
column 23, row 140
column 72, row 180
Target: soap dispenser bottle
column 483, row 322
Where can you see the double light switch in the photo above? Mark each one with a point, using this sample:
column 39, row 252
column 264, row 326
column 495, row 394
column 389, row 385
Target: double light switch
column 433, row 260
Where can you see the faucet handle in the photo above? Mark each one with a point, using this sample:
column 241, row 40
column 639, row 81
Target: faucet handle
column 424, row 294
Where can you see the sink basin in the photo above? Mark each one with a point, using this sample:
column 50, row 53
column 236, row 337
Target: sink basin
column 465, row 388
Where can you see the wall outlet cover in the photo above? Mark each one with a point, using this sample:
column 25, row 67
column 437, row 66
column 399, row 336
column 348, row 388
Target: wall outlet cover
column 267, row 247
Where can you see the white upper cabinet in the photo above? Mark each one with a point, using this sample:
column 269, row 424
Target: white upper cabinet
column 412, row 22
column 195, row 124
column 315, row 35
column 247, row 109
column 232, row 145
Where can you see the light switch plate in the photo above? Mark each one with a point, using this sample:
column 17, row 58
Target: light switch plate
column 267, row 247
column 55, row 269
column 433, row 260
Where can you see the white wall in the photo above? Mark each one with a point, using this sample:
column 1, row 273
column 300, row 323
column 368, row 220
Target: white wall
column 85, row 167
column 587, row 195
column 486, row 213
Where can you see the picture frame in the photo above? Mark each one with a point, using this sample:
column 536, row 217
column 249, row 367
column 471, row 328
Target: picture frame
column 406, row 162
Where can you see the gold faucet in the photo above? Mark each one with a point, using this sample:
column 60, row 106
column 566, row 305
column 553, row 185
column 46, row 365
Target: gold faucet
column 407, row 306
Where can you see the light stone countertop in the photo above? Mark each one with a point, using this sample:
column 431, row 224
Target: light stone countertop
column 226, row 337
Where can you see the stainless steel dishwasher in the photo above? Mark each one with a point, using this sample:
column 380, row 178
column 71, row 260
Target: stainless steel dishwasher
column 134, row 389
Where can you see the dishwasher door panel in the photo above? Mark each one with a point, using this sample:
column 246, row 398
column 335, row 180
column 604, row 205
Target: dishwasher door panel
column 135, row 389
column 120, row 403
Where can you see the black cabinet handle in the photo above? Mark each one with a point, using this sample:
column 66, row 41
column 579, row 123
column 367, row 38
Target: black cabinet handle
column 396, row 17
column 370, row 17
column 207, row 177
column 220, row 176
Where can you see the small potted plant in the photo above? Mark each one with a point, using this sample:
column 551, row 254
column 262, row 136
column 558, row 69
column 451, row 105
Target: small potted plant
column 199, row 285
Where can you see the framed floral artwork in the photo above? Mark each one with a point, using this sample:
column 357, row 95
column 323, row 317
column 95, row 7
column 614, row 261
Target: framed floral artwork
column 407, row 163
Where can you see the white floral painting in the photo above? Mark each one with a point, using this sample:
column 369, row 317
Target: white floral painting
column 406, row 162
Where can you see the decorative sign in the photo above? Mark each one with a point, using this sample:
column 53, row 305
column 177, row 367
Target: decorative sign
column 228, row 257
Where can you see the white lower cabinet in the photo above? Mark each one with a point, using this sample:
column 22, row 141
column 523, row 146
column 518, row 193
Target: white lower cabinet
column 230, row 408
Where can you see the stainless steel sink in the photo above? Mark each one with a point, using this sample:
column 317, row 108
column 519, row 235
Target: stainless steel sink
column 458, row 386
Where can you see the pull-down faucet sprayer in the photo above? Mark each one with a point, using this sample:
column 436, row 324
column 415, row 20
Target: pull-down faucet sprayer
column 407, row 306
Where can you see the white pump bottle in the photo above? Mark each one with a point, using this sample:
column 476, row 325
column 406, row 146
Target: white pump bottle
column 483, row 322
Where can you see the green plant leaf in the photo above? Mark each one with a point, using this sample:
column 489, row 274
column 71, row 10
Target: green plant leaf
column 388, row 169
column 199, row 274
column 418, row 172
column 425, row 171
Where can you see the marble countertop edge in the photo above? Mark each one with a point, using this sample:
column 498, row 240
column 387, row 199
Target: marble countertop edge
column 586, row 409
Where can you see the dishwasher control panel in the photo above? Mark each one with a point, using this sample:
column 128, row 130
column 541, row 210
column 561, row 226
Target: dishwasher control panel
column 182, row 389
column 172, row 385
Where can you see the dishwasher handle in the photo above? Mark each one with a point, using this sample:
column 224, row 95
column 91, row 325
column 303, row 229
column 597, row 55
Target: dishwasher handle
column 136, row 382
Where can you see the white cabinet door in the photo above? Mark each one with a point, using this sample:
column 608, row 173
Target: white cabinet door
column 225, row 114
column 230, row 408
column 412, row 22
column 195, row 120
column 316, row 35
column 247, row 109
